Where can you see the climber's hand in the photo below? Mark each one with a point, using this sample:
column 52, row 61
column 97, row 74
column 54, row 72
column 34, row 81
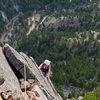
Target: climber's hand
column 47, row 76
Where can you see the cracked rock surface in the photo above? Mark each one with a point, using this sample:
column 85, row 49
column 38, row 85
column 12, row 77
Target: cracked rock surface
column 21, row 76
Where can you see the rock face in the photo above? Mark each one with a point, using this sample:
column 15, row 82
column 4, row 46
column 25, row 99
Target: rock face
column 10, row 80
column 25, row 67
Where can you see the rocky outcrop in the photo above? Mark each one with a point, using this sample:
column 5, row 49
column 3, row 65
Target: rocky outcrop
column 10, row 80
column 24, row 68
column 52, row 22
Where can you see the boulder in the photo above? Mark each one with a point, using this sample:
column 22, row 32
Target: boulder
column 32, row 96
column 9, row 95
column 25, row 84
column 39, row 93
column 80, row 98
column 17, row 61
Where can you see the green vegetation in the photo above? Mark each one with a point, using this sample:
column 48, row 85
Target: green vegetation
column 2, row 23
column 95, row 95
column 75, row 63
column 86, row 11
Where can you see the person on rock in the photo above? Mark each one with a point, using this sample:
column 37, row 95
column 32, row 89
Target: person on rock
column 45, row 68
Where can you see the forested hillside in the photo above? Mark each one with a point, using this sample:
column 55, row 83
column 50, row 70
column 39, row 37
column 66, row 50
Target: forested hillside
column 76, row 64
column 94, row 95
column 87, row 11
column 64, row 31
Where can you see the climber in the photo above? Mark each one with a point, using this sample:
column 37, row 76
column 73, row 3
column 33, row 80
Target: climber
column 45, row 67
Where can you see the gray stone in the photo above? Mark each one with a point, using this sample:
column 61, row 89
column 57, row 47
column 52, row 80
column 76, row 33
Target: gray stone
column 10, row 80
column 17, row 61
column 21, row 61
column 80, row 98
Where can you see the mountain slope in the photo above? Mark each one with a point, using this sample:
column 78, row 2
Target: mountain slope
column 66, row 32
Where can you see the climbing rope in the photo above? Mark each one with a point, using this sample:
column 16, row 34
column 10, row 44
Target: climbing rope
column 41, row 76
column 24, row 76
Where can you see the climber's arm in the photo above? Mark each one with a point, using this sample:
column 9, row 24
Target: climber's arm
column 40, row 66
column 48, row 75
